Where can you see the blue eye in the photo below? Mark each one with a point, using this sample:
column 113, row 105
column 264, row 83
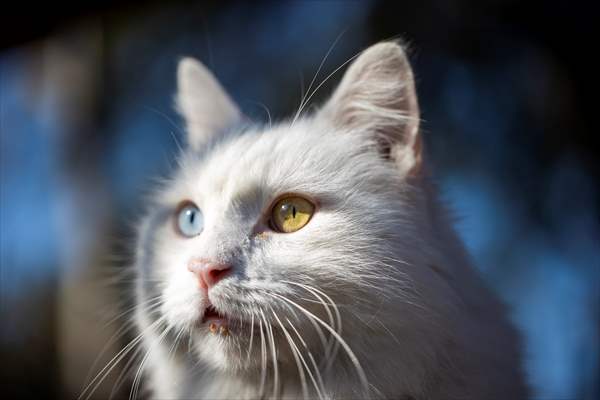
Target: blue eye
column 190, row 220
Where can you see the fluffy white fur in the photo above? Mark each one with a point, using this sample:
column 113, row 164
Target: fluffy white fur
column 416, row 321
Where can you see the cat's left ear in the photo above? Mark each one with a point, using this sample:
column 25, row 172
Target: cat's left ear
column 206, row 107
column 377, row 97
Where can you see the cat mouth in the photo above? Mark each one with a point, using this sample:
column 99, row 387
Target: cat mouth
column 217, row 322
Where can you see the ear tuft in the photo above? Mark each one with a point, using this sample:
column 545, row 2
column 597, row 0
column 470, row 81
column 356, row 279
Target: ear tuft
column 206, row 107
column 377, row 96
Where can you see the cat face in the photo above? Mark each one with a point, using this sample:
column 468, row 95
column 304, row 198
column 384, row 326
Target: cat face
column 269, row 239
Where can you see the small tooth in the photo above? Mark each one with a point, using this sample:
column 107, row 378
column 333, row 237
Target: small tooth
column 223, row 330
column 212, row 327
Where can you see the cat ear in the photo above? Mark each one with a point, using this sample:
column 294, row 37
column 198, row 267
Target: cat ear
column 377, row 96
column 204, row 104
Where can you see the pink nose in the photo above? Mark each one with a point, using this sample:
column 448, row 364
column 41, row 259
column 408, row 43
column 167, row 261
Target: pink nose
column 208, row 272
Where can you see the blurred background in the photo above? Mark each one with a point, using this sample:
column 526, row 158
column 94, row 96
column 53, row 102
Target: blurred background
column 87, row 124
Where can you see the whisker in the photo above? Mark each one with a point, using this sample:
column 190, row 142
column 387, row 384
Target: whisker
column 251, row 340
column 122, row 330
column 127, row 369
column 136, row 380
column 324, row 81
column 305, row 100
column 322, row 338
column 312, row 359
column 318, row 293
column 150, row 303
column 119, row 333
column 296, row 354
column 99, row 378
column 274, row 355
column 361, row 374
column 264, row 107
column 173, row 347
column 263, row 362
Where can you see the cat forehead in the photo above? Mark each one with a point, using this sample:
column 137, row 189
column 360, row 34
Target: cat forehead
column 304, row 158
column 280, row 158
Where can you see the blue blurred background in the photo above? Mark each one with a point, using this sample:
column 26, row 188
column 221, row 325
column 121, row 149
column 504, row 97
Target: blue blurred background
column 87, row 123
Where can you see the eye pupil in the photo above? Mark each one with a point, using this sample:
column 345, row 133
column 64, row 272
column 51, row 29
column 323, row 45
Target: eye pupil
column 293, row 212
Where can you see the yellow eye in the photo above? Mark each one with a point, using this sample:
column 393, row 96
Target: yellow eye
column 291, row 214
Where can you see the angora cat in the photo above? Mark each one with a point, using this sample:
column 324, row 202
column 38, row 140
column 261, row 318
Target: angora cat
column 312, row 258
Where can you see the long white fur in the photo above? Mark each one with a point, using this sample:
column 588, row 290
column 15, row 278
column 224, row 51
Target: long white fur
column 415, row 316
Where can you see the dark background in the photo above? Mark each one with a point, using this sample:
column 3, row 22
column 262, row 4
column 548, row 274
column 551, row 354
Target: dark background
column 508, row 96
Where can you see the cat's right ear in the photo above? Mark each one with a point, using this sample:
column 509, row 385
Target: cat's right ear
column 207, row 108
column 377, row 97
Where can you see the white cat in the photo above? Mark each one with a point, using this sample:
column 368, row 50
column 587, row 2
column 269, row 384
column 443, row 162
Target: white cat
column 312, row 259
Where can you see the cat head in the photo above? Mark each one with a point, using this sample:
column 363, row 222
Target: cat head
column 304, row 232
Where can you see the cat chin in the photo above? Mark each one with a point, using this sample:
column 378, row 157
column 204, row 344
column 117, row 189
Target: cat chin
column 225, row 353
column 229, row 352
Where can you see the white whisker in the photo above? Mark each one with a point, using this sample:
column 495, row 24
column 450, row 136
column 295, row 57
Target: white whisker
column 274, row 355
column 99, row 378
column 305, row 100
column 333, row 349
column 263, row 362
column 136, row 380
column 315, row 366
column 297, row 356
column 359, row 370
column 251, row 340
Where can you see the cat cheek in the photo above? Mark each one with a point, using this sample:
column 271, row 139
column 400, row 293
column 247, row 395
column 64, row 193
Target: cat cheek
column 183, row 309
column 183, row 301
